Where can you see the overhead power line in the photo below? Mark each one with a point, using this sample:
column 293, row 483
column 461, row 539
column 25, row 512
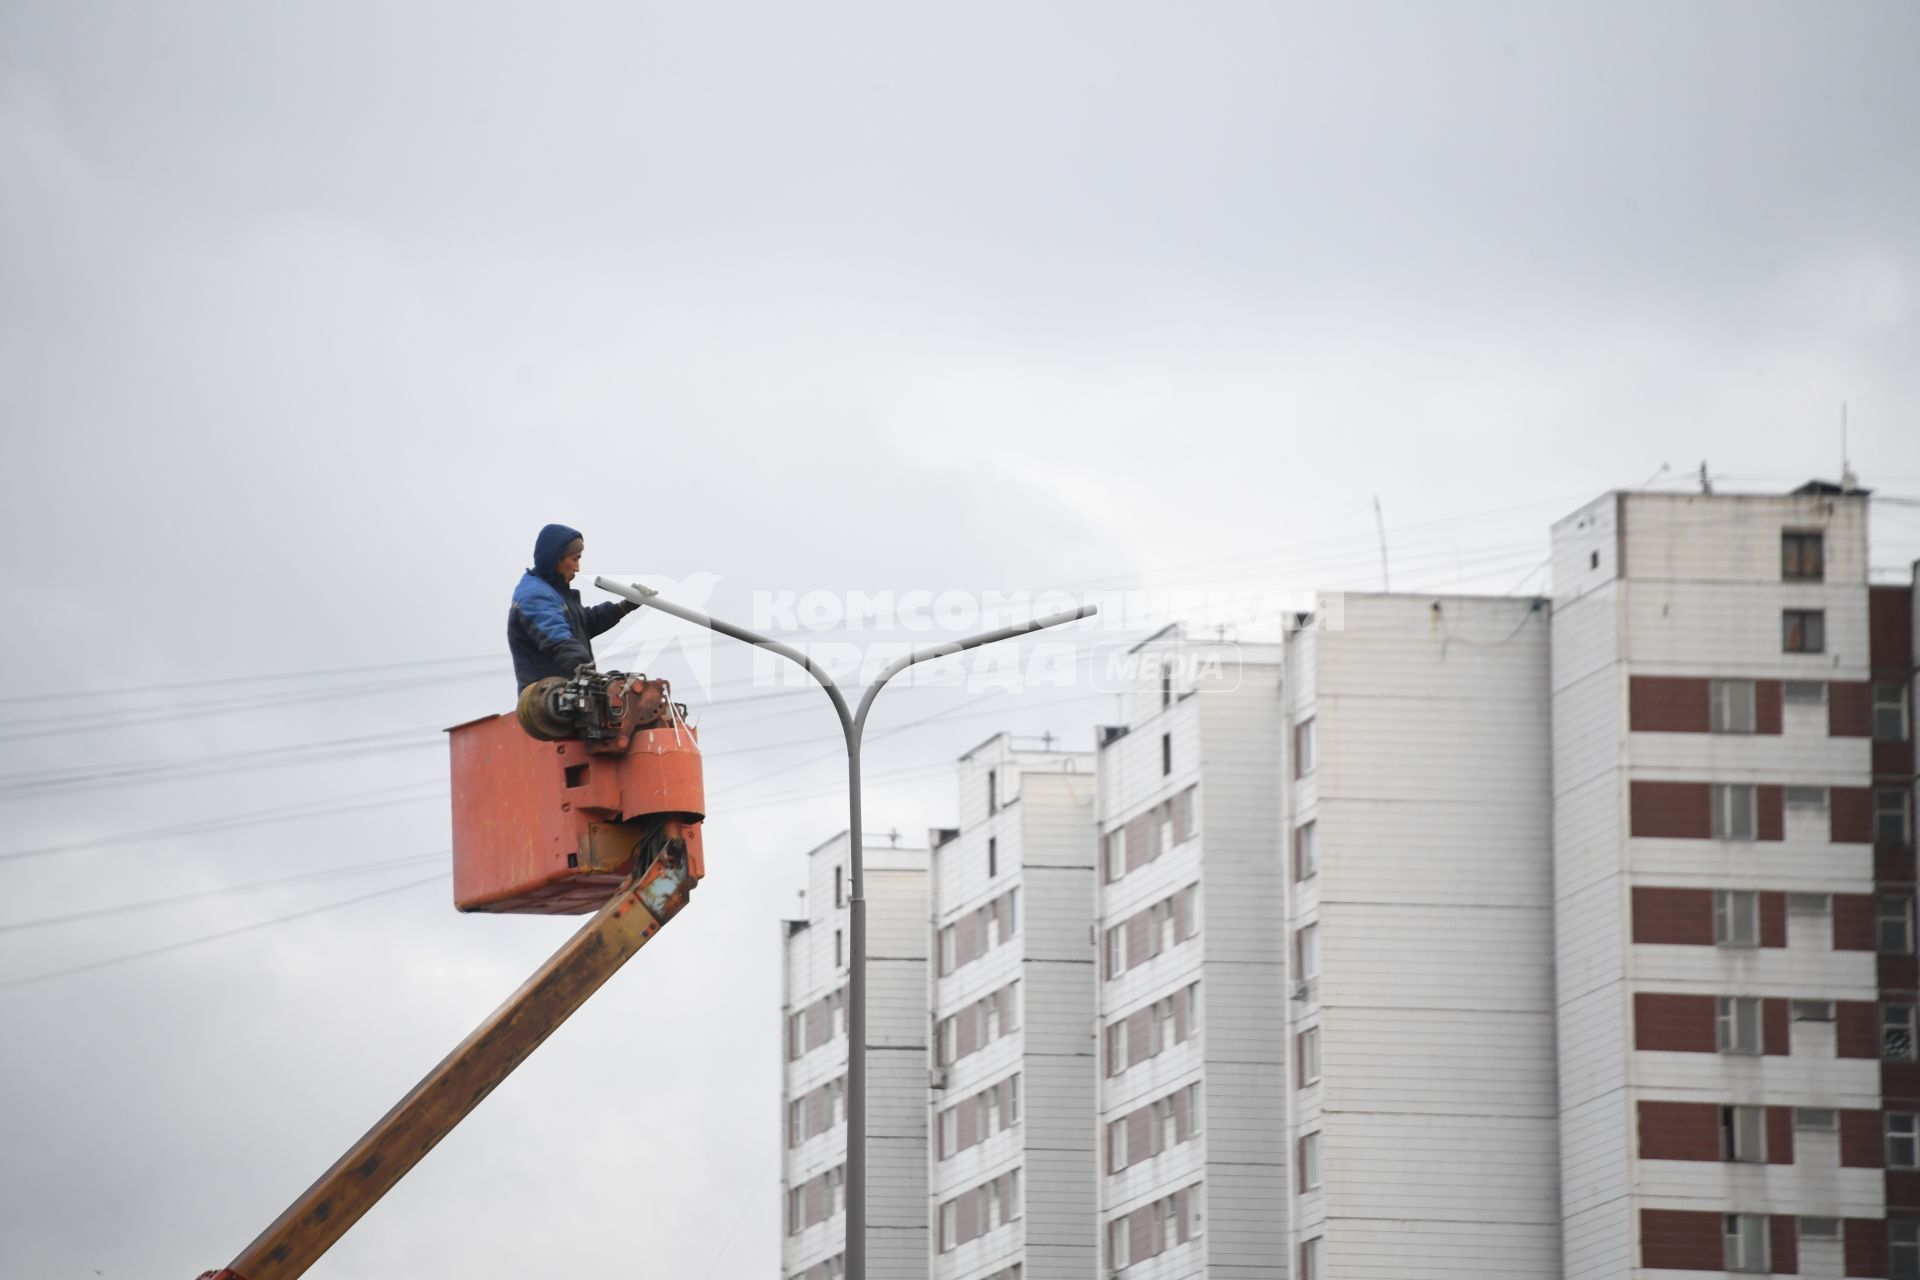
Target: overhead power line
column 150, row 904
column 215, row 937
column 252, row 818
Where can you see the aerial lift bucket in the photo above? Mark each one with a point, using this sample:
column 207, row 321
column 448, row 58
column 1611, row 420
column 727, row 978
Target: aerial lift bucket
column 606, row 821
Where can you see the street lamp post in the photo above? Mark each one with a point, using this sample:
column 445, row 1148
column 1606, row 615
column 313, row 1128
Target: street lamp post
column 852, row 725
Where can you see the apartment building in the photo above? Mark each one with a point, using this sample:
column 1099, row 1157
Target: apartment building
column 1422, row 1113
column 1450, row 937
column 814, row 1078
column 1011, row 1157
column 1732, row 790
column 1191, row 896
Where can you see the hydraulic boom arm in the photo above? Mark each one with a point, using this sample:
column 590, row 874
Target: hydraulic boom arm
column 451, row 1090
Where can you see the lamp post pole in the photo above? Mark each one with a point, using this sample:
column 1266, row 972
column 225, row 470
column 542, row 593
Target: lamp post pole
column 852, row 725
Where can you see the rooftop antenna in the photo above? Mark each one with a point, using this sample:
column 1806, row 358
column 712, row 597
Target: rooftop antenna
column 1046, row 740
column 1706, row 482
column 1380, row 524
column 894, row 836
column 1848, row 481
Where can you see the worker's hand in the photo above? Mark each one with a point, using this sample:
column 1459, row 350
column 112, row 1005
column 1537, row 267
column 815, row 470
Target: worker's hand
column 628, row 606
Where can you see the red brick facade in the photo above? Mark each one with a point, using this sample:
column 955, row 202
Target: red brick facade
column 1683, row 704
column 1889, row 627
column 1766, row 706
column 1784, row 1230
column 1674, row 1024
column 1860, row 1140
column 1779, row 1136
column 1849, row 709
column 1673, row 916
column 1866, row 1247
column 1850, row 815
column 1671, row 810
column 1856, row 1029
column 1773, row 919
column 1682, row 1240
column 1679, row 1131
column 1770, row 804
column 1667, row 704
column 1853, row 922
column 1776, row 1024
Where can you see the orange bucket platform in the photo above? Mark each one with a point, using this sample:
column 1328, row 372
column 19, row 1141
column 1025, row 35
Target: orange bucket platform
column 553, row 828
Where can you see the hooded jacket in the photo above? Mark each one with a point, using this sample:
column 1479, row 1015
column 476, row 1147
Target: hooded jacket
column 548, row 629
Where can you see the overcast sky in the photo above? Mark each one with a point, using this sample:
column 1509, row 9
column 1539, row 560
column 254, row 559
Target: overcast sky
column 311, row 315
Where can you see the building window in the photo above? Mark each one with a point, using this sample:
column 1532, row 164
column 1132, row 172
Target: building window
column 1825, row 1229
column 1166, row 687
column 1186, row 821
column 1893, row 924
column 1736, row 918
column 1307, row 1053
column 1809, row 904
column 1306, row 953
column 1117, row 1243
column 1803, row 556
column 1812, row 1010
column 1306, row 851
column 1746, row 1242
column 1803, row 631
column 1743, row 1134
column 1305, row 748
column 1806, row 797
column 839, row 887
column 1816, row 1119
column 1166, row 754
column 1890, row 713
column 1734, row 816
column 993, row 791
column 1730, row 706
column 1903, row 1249
column 1310, row 1268
column 1804, row 693
column 1309, row 1162
column 1896, row 1032
column 1890, row 825
column 993, row 857
column 839, row 950
column 1903, row 1140
column 1738, row 1024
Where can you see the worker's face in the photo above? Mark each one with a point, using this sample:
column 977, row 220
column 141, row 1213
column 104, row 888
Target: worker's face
column 570, row 562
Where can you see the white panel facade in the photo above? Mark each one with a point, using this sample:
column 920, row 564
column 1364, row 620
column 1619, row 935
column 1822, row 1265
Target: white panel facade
column 1192, row 1098
column 1011, row 1164
column 1427, row 908
column 814, row 1045
column 1691, row 589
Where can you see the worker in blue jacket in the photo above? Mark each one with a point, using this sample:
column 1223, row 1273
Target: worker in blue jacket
column 548, row 629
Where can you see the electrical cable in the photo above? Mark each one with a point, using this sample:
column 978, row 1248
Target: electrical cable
column 252, row 818
column 326, row 873
column 182, row 945
column 745, row 1206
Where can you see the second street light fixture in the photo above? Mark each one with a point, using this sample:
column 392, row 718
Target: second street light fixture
column 852, row 726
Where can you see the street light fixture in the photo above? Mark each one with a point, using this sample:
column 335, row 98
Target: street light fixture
column 852, row 725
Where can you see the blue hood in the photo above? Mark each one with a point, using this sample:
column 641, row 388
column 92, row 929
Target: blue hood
column 548, row 547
